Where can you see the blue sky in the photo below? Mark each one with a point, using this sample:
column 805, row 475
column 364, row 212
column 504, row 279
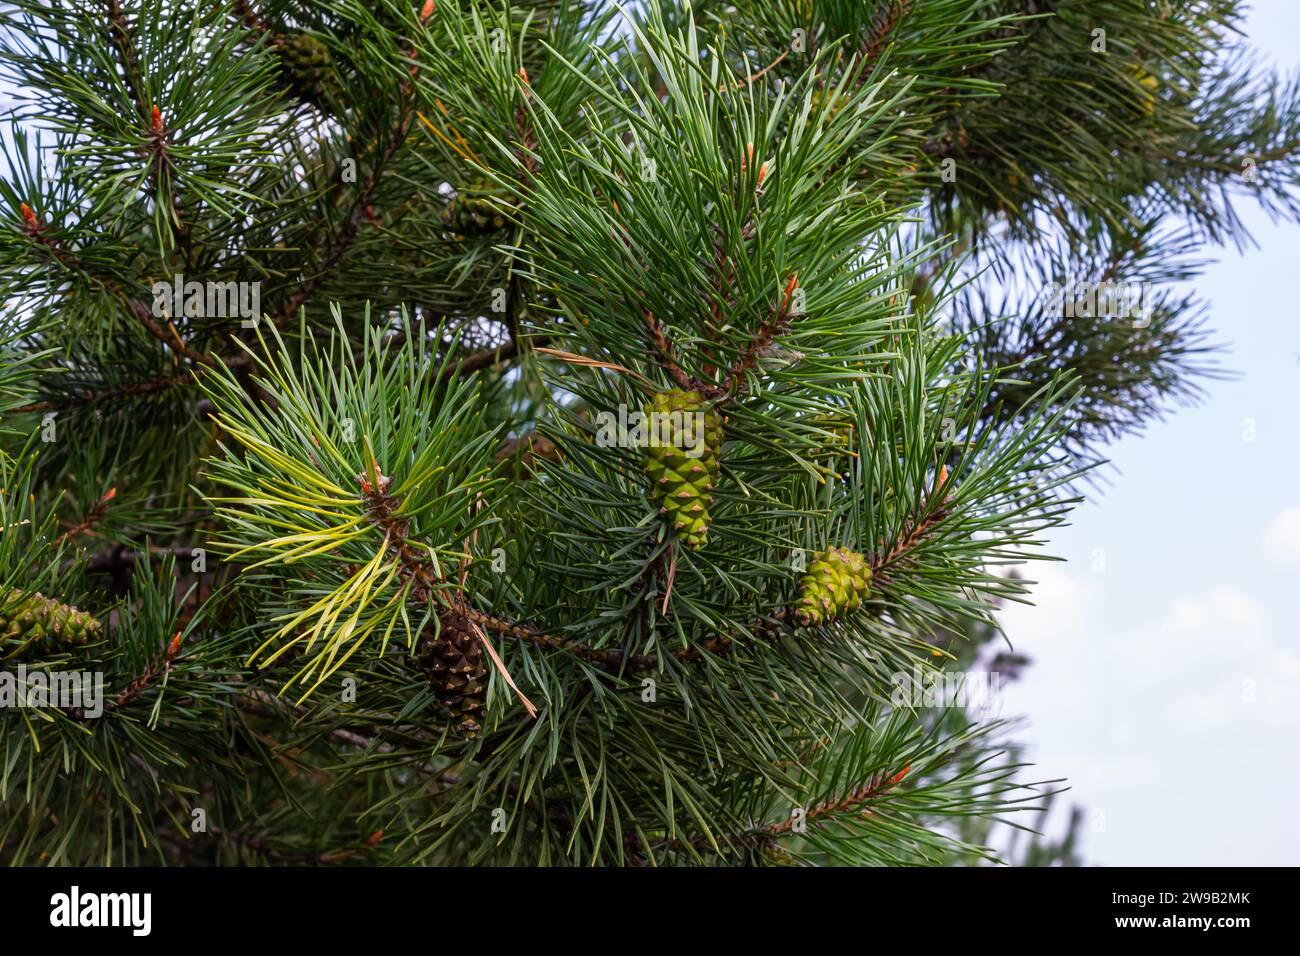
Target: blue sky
column 1166, row 681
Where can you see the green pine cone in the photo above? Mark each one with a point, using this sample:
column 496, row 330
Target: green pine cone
column 840, row 448
column 30, row 618
column 683, row 458
column 837, row 581
column 475, row 211
column 307, row 67
column 822, row 97
column 778, row 856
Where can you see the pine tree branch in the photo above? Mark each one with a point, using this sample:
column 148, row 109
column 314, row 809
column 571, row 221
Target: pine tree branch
column 258, row 845
column 487, row 358
column 35, row 230
column 130, row 390
column 91, row 518
column 776, row 324
column 851, row 802
column 263, row 704
column 164, row 181
column 151, row 118
column 120, row 35
column 886, row 23
column 119, row 557
column 919, row 526
column 420, row 571
column 161, row 665
column 856, row 800
column 749, row 80
column 249, row 17
column 365, row 196
column 352, row 226
column 667, row 355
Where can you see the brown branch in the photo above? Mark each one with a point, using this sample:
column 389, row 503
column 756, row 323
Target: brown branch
column 527, row 136
column 91, row 518
column 351, row 228
column 130, row 390
column 609, row 659
column 263, row 704
column 486, row 358
column 766, row 835
column 257, row 845
column 1040, row 341
column 612, row 659
column 886, row 23
column 672, row 576
column 119, row 556
column 882, row 561
column 120, row 35
column 747, row 81
column 255, row 24
column 165, row 182
column 725, row 272
column 776, row 324
column 428, row 583
column 162, row 664
column 35, row 230
column 382, row 509
column 496, row 355
column 660, row 340
column 876, row 786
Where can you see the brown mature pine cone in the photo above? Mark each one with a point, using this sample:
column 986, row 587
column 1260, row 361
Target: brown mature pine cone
column 451, row 658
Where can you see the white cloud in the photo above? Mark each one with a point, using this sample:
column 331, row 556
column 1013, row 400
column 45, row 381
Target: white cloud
column 1199, row 638
column 1134, row 702
column 1283, row 535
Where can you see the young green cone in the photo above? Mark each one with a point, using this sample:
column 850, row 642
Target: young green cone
column 840, row 447
column 475, row 211
column 31, row 618
column 683, row 457
column 828, row 98
column 837, row 581
column 307, row 67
